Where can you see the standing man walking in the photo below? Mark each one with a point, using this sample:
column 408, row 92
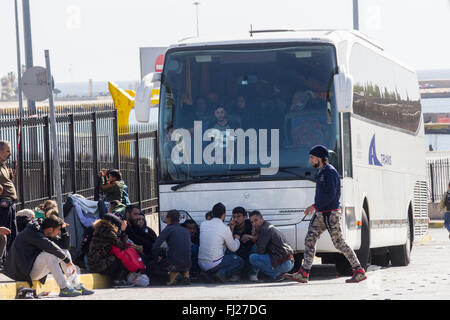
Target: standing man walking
column 444, row 208
column 8, row 196
column 327, row 217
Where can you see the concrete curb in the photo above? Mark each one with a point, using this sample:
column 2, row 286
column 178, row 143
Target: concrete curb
column 90, row 281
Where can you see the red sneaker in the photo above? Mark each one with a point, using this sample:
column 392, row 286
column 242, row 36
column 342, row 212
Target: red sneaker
column 358, row 275
column 300, row 276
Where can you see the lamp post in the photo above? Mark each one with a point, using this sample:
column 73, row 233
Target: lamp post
column 355, row 15
column 19, row 66
column 28, row 45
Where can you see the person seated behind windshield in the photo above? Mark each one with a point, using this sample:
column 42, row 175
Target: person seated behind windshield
column 168, row 143
column 195, row 112
column 300, row 99
column 200, row 109
column 222, row 123
column 242, row 109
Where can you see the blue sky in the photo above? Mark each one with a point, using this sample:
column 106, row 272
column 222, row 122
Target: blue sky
column 100, row 39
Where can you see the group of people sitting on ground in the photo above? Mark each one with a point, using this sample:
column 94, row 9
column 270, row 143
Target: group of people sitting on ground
column 249, row 247
column 120, row 245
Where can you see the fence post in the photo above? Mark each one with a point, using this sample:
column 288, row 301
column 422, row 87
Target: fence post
column 138, row 169
column 48, row 166
column 95, row 155
column 155, row 169
column 116, row 141
column 20, row 161
column 72, row 152
column 432, row 182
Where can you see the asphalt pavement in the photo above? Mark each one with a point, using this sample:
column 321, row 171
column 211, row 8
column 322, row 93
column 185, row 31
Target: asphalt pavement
column 426, row 278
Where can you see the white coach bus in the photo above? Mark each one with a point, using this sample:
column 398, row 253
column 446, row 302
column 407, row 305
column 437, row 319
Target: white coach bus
column 289, row 90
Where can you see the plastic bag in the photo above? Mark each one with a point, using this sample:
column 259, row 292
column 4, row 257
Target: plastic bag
column 138, row 279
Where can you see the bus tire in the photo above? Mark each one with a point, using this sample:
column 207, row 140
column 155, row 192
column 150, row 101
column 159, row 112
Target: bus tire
column 401, row 255
column 343, row 267
column 381, row 260
column 363, row 253
column 298, row 259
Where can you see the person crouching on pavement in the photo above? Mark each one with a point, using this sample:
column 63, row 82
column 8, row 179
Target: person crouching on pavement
column 214, row 259
column 41, row 249
column 179, row 252
column 327, row 216
column 445, row 208
column 274, row 255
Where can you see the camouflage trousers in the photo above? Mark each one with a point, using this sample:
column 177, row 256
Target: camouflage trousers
column 330, row 221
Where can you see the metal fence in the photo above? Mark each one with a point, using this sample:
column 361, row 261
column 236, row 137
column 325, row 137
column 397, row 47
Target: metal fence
column 87, row 142
column 438, row 178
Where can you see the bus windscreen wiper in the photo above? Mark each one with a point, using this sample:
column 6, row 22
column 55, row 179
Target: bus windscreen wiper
column 205, row 178
column 234, row 172
column 282, row 169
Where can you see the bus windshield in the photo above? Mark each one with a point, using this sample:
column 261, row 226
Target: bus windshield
column 229, row 112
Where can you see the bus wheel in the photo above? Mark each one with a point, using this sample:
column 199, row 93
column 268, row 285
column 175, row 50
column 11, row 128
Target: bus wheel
column 381, row 260
column 363, row 253
column 343, row 267
column 401, row 255
column 298, row 259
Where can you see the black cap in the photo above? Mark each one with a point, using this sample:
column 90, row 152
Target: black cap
column 319, row 151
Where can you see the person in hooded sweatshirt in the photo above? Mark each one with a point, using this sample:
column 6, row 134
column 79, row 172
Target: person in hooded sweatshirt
column 40, row 249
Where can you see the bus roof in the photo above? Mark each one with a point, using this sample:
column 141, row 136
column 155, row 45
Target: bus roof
column 333, row 36
column 285, row 35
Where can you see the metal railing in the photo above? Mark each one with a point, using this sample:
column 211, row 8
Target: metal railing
column 438, row 178
column 87, row 142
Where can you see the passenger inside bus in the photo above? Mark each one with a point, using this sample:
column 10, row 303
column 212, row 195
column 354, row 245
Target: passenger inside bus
column 242, row 109
column 306, row 124
column 301, row 99
column 288, row 89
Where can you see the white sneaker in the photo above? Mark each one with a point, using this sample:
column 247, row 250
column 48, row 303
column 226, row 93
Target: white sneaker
column 253, row 277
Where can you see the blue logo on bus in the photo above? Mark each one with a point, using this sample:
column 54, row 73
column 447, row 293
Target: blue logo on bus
column 373, row 158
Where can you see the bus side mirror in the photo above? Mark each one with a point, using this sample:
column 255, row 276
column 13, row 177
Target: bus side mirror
column 147, row 96
column 343, row 88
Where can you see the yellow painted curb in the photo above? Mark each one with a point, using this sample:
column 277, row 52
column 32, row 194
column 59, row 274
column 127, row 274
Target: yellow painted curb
column 90, row 281
column 436, row 224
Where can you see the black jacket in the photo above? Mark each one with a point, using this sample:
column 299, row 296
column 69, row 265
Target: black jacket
column 28, row 245
column 144, row 236
column 246, row 247
column 272, row 242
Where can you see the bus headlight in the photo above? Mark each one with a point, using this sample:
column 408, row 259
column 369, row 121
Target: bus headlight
column 184, row 215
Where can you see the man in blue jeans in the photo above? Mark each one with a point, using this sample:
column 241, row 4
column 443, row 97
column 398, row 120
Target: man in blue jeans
column 274, row 256
column 213, row 258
